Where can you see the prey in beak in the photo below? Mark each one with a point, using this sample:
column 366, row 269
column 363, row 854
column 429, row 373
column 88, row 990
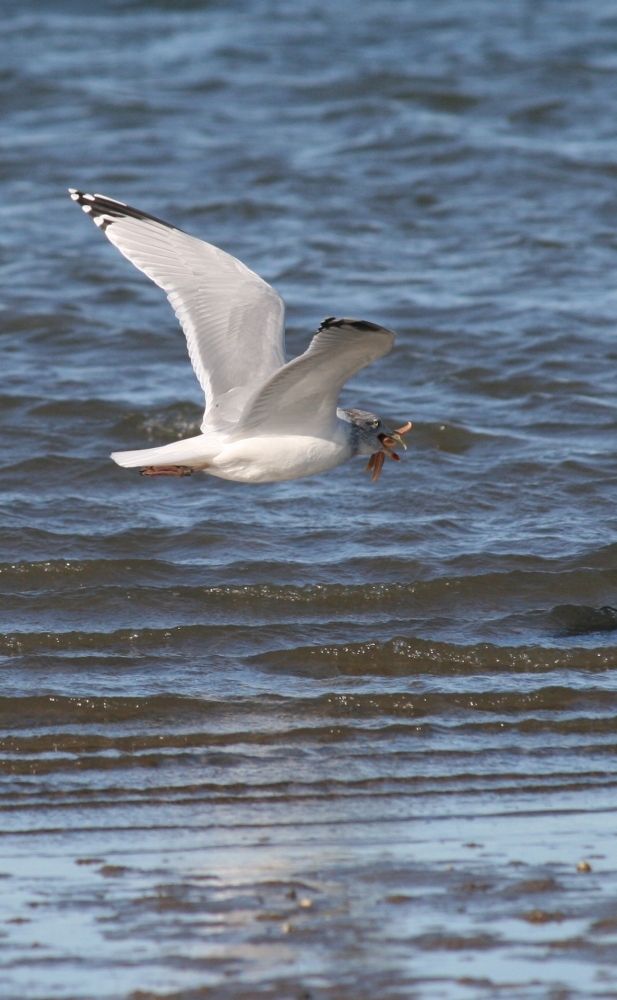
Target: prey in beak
column 388, row 443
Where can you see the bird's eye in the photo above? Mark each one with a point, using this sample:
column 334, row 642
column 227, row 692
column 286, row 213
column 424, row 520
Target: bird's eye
column 374, row 424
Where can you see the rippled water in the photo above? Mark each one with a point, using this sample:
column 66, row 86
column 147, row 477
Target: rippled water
column 320, row 740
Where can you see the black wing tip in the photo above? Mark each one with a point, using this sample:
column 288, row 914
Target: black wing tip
column 361, row 325
column 104, row 211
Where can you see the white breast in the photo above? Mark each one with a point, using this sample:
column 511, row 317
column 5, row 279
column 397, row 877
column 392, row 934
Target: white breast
column 274, row 458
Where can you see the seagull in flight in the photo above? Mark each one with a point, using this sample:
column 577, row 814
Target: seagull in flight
column 266, row 419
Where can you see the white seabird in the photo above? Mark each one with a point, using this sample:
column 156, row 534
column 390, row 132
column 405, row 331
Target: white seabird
column 266, row 420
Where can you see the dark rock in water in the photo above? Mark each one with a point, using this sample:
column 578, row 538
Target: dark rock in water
column 577, row 619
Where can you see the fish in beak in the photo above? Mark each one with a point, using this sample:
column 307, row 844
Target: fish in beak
column 375, row 465
column 388, row 442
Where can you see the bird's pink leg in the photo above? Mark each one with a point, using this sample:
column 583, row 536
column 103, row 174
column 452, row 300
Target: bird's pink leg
column 166, row 470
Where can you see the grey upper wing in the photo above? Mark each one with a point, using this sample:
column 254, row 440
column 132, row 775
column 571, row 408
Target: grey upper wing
column 233, row 320
column 301, row 398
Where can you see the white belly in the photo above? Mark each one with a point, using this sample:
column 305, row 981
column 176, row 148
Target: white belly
column 273, row 459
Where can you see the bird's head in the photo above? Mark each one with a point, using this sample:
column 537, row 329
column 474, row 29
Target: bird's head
column 375, row 438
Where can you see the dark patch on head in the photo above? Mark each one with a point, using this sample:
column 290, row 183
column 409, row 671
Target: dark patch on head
column 360, row 417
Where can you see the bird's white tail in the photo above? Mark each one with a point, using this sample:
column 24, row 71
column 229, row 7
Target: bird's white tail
column 193, row 452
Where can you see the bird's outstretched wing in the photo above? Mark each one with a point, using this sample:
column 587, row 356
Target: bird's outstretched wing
column 301, row 397
column 233, row 320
